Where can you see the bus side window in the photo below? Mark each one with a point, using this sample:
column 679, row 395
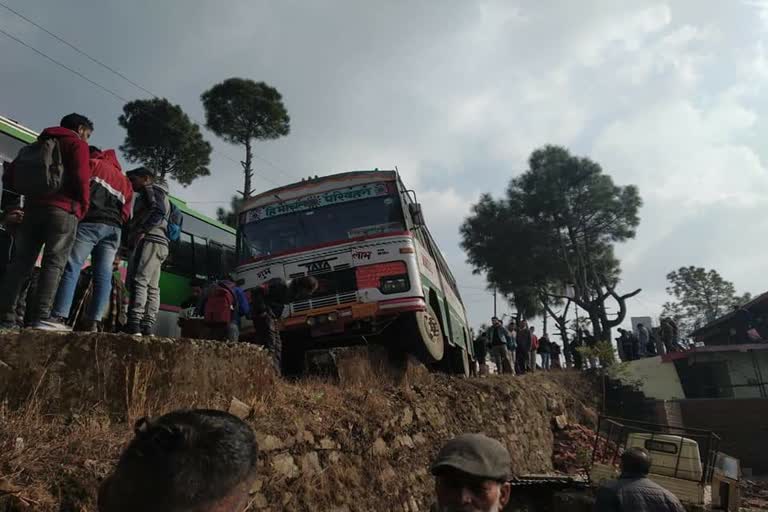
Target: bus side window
column 229, row 260
column 180, row 257
column 200, row 265
column 215, row 260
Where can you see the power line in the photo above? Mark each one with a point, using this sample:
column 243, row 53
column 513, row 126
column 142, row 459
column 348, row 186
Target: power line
column 119, row 74
column 78, row 50
column 71, row 70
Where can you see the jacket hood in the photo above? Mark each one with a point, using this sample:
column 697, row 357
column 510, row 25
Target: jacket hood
column 110, row 157
column 58, row 131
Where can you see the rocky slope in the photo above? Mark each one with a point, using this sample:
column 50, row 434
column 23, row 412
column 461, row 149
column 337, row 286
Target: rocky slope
column 362, row 444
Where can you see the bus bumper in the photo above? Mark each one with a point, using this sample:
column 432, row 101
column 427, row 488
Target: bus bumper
column 337, row 319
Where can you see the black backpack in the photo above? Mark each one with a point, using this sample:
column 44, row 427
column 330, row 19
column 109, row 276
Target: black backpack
column 38, row 169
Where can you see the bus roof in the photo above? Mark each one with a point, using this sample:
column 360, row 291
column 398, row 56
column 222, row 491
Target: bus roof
column 16, row 130
column 320, row 184
column 182, row 205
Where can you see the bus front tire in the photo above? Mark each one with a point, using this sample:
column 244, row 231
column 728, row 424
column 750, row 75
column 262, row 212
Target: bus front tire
column 429, row 345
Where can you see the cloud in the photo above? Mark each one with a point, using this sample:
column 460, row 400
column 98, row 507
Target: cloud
column 456, row 94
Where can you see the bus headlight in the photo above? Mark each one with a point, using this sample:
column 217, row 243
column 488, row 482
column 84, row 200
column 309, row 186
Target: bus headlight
column 394, row 284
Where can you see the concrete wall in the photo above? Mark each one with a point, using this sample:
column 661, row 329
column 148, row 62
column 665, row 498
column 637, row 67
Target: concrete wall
column 742, row 423
column 657, row 380
column 739, row 377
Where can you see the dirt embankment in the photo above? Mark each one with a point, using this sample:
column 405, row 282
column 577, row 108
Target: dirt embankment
column 362, row 444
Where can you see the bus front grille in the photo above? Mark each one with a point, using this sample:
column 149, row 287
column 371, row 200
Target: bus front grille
column 319, row 302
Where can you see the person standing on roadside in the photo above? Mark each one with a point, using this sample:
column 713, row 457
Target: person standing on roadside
column 523, row 348
column 98, row 236
column 556, row 351
column 643, row 336
column 534, row 348
column 499, row 339
column 149, row 243
column 481, row 353
column 54, row 175
column 545, row 351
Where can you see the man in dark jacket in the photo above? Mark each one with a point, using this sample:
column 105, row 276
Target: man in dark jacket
column 50, row 221
column 545, row 351
column 98, row 235
column 149, row 241
column 634, row 491
column 524, row 344
column 481, row 352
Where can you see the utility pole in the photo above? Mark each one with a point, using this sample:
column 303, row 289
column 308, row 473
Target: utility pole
column 494, row 301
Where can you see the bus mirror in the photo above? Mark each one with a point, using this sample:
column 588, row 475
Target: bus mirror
column 416, row 214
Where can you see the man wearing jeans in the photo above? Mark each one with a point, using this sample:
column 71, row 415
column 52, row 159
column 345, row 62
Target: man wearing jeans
column 149, row 241
column 50, row 222
column 98, row 235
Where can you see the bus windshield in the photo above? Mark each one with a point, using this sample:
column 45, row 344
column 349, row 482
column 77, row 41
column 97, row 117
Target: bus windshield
column 307, row 226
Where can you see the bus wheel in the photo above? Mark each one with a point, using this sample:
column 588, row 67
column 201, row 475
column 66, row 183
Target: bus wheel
column 429, row 346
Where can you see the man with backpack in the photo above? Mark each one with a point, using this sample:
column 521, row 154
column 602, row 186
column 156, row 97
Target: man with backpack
column 148, row 239
column 98, row 235
column 222, row 307
column 53, row 174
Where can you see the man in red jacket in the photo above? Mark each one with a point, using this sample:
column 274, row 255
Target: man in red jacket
column 98, row 235
column 50, row 221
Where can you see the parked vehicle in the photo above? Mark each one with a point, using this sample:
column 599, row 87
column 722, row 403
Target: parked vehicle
column 381, row 276
column 685, row 461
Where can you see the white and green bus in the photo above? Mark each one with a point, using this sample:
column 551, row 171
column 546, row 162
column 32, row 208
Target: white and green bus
column 381, row 276
column 205, row 250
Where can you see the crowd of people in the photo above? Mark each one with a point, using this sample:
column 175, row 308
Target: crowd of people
column 647, row 342
column 513, row 349
column 73, row 201
column 207, row 461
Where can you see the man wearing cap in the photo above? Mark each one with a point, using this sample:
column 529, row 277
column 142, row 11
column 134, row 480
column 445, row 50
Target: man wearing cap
column 149, row 243
column 472, row 474
column 634, row 491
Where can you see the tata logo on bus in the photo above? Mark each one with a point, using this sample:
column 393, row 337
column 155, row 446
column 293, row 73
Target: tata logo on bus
column 318, row 266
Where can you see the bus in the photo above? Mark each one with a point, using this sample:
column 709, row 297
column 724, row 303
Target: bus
column 381, row 277
column 204, row 252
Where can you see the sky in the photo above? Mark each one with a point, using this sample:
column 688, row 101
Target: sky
column 668, row 96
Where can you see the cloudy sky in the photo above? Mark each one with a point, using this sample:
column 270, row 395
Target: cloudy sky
column 669, row 96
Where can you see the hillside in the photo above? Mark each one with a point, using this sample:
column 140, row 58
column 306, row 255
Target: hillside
column 69, row 402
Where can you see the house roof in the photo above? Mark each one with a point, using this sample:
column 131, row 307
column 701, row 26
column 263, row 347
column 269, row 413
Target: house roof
column 761, row 299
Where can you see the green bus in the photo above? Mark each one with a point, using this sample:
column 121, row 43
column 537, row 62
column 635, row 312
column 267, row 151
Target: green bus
column 204, row 252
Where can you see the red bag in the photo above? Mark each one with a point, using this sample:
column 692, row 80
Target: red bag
column 220, row 304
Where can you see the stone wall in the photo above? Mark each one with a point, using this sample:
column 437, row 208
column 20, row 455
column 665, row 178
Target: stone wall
column 362, row 444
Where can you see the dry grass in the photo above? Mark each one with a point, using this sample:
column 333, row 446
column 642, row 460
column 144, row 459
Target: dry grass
column 64, row 457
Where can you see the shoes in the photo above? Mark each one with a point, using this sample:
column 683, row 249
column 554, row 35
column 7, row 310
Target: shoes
column 147, row 331
column 51, row 325
column 6, row 326
column 90, row 326
column 133, row 330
